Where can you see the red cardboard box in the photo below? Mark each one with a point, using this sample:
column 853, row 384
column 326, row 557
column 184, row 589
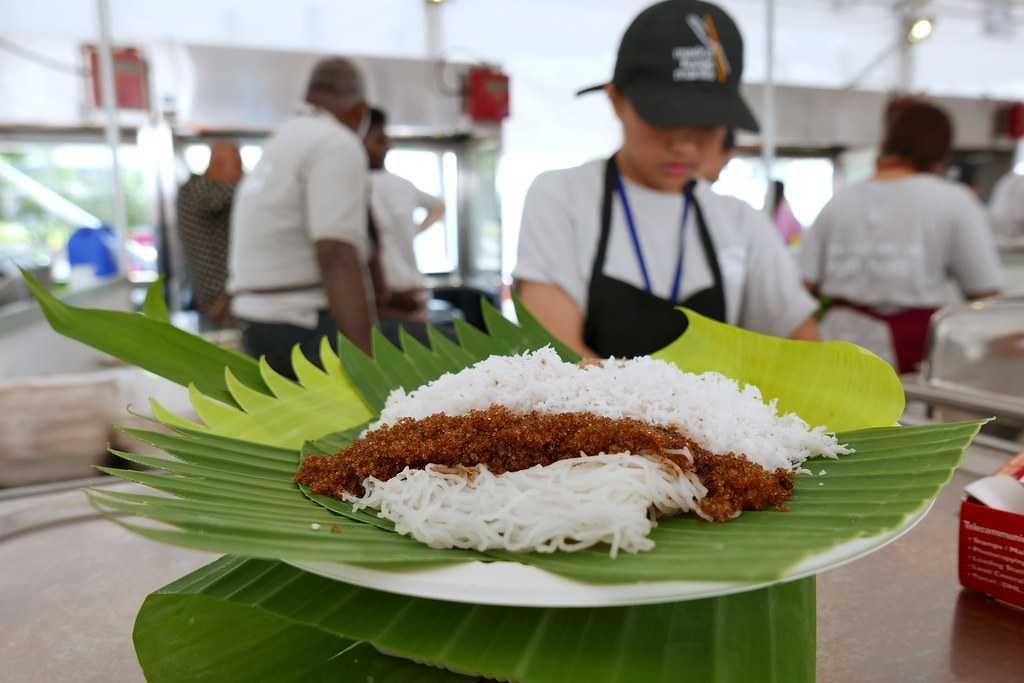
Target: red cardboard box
column 992, row 546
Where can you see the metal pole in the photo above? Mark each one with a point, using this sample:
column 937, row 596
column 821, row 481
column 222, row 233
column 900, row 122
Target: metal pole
column 111, row 126
column 873, row 64
column 768, row 129
column 435, row 29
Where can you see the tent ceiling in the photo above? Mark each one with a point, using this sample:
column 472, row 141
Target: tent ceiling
column 822, row 43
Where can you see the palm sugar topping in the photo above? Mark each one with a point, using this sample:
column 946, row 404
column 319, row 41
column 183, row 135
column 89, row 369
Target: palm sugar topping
column 506, row 441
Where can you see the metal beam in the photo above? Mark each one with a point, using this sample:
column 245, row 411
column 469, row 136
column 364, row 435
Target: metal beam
column 873, row 64
column 768, row 119
column 995, row 443
column 54, row 203
column 970, row 400
column 111, row 128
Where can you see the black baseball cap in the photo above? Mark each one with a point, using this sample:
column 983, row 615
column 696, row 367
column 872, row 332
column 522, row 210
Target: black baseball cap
column 680, row 63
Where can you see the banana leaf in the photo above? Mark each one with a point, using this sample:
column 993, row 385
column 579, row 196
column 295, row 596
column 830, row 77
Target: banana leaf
column 836, row 384
column 250, row 445
column 236, row 497
column 226, row 486
column 149, row 342
column 221, row 620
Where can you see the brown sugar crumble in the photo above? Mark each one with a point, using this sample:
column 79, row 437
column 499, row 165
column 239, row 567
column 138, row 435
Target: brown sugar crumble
column 735, row 484
column 505, row 441
column 497, row 437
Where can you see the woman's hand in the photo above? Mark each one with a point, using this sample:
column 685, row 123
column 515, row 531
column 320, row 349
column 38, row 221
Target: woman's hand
column 807, row 331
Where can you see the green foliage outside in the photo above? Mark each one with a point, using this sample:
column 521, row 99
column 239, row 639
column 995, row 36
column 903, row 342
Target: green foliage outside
column 28, row 230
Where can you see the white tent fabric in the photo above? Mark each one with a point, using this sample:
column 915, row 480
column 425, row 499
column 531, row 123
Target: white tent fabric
column 820, row 43
column 552, row 47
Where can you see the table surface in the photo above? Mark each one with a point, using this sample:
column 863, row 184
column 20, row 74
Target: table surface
column 76, row 581
column 899, row 615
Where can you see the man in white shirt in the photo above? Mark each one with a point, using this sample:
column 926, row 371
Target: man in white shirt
column 393, row 201
column 299, row 243
column 1007, row 207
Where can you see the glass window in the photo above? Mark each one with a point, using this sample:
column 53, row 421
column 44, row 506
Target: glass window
column 483, row 213
column 434, row 172
column 743, row 178
column 197, row 156
column 251, row 155
column 808, row 183
column 49, row 189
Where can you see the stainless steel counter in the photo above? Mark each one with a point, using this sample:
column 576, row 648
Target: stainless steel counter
column 70, row 586
column 23, row 327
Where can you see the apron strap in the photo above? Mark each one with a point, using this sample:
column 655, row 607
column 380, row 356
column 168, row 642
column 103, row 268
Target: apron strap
column 710, row 253
column 611, row 171
column 624, row 320
column 597, row 266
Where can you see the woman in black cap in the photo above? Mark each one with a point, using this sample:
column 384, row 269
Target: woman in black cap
column 609, row 249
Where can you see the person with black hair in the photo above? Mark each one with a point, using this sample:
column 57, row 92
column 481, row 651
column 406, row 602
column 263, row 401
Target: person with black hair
column 882, row 249
column 393, row 201
column 300, row 242
column 610, row 249
column 204, row 221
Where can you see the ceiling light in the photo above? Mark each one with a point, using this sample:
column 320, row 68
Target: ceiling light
column 920, row 29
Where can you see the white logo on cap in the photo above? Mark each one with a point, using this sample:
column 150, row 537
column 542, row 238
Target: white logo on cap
column 704, row 62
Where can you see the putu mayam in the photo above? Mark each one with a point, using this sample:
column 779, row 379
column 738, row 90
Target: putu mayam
column 577, row 502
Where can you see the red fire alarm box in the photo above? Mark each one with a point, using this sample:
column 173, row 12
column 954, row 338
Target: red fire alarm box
column 487, row 96
column 1016, row 121
column 1010, row 121
column 131, row 77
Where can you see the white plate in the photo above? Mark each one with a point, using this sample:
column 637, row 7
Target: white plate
column 519, row 585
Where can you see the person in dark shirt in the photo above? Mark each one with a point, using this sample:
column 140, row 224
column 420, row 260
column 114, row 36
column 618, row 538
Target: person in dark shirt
column 204, row 220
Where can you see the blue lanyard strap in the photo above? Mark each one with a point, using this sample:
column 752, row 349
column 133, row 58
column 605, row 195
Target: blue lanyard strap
column 678, row 279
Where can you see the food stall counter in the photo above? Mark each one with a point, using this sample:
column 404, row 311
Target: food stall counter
column 73, row 582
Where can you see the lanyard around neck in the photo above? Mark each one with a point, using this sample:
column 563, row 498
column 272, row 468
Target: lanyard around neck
column 678, row 279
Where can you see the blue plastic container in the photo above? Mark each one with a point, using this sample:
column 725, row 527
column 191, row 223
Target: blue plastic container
column 96, row 247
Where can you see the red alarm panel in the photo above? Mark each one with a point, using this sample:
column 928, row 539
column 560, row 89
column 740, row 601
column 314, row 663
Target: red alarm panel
column 487, row 96
column 1015, row 125
column 131, row 77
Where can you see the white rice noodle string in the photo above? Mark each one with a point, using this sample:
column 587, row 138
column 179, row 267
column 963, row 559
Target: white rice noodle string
column 569, row 505
column 577, row 503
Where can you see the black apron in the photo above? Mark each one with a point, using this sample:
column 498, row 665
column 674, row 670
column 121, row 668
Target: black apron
column 625, row 321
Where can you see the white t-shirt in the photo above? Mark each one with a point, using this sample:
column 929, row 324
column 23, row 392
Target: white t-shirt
column 1007, row 206
column 310, row 184
column 562, row 223
column 393, row 199
column 893, row 243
